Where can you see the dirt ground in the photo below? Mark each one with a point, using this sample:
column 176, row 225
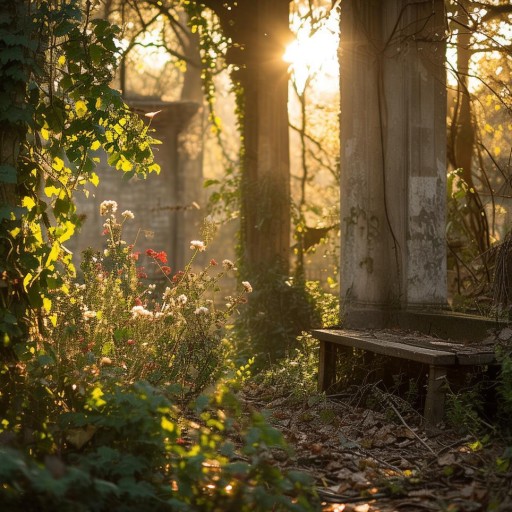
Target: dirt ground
column 367, row 460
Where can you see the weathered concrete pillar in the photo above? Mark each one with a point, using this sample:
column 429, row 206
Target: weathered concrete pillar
column 393, row 172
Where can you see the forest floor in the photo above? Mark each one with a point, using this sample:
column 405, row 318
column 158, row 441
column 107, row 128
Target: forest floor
column 382, row 459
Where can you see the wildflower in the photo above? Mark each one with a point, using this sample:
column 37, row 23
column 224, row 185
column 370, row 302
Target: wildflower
column 201, row 311
column 140, row 273
column 151, row 253
column 178, row 276
column 105, row 361
column 135, row 255
column 166, row 270
column 247, row 286
column 228, row 264
column 152, row 287
column 137, row 301
column 213, row 263
column 128, row 214
column 140, row 312
column 130, row 342
column 89, row 314
column 107, row 207
column 181, row 299
column 198, row 245
column 161, row 257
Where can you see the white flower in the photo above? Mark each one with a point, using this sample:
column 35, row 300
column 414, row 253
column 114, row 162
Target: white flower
column 108, row 207
column 140, row 312
column 128, row 214
column 89, row 314
column 198, row 245
column 201, row 311
column 181, row 299
column 228, row 264
column 152, row 287
column 247, row 286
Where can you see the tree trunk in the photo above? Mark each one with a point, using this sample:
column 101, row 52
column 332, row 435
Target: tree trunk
column 464, row 141
column 260, row 32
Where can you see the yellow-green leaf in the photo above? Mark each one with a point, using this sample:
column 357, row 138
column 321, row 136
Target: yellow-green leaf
column 58, row 163
column 80, row 108
column 51, row 191
column 28, row 203
column 167, row 425
column 47, row 304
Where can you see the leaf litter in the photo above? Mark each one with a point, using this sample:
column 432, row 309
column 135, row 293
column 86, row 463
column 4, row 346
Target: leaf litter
column 366, row 460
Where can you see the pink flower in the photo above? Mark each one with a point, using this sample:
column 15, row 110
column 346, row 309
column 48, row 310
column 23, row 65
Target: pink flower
column 130, row 342
column 166, row 270
column 213, row 263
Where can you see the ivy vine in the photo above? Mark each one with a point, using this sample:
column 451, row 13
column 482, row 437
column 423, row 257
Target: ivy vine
column 58, row 111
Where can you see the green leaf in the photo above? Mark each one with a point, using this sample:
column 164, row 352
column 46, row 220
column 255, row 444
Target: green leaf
column 96, row 52
column 8, row 174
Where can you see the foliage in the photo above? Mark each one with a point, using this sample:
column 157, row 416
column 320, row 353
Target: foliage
column 85, row 432
column 129, row 448
column 113, row 323
column 504, row 388
column 58, row 64
column 297, row 373
column 463, row 251
column 280, row 308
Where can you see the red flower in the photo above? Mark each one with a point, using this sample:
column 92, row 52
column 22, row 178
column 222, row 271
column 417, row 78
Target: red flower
column 166, row 270
column 177, row 276
column 130, row 342
column 213, row 263
column 140, row 273
column 105, row 232
column 135, row 255
column 161, row 257
column 151, row 253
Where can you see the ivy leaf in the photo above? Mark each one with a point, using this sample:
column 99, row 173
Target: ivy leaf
column 8, row 174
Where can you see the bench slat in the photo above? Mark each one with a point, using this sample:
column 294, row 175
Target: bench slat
column 385, row 347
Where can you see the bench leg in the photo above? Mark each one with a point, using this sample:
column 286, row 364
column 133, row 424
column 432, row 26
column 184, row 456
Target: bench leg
column 434, row 404
column 327, row 365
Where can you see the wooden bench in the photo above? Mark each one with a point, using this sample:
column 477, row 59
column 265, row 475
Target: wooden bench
column 440, row 355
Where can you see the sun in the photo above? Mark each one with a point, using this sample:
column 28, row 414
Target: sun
column 313, row 54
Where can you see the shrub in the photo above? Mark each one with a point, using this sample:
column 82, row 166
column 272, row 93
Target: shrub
column 117, row 325
column 130, row 448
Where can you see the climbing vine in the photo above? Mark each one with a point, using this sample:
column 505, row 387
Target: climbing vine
column 57, row 113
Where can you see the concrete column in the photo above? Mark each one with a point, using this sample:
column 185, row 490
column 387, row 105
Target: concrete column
column 393, row 172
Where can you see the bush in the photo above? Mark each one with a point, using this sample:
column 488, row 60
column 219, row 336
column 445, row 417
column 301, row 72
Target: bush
column 130, row 448
column 278, row 311
column 114, row 323
column 109, row 413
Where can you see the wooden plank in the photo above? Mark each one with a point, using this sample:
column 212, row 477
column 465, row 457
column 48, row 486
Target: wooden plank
column 478, row 358
column 434, row 403
column 327, row 365
column 385, row 347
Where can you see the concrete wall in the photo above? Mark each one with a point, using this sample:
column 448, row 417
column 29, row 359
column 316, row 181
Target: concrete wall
column 164, row 216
